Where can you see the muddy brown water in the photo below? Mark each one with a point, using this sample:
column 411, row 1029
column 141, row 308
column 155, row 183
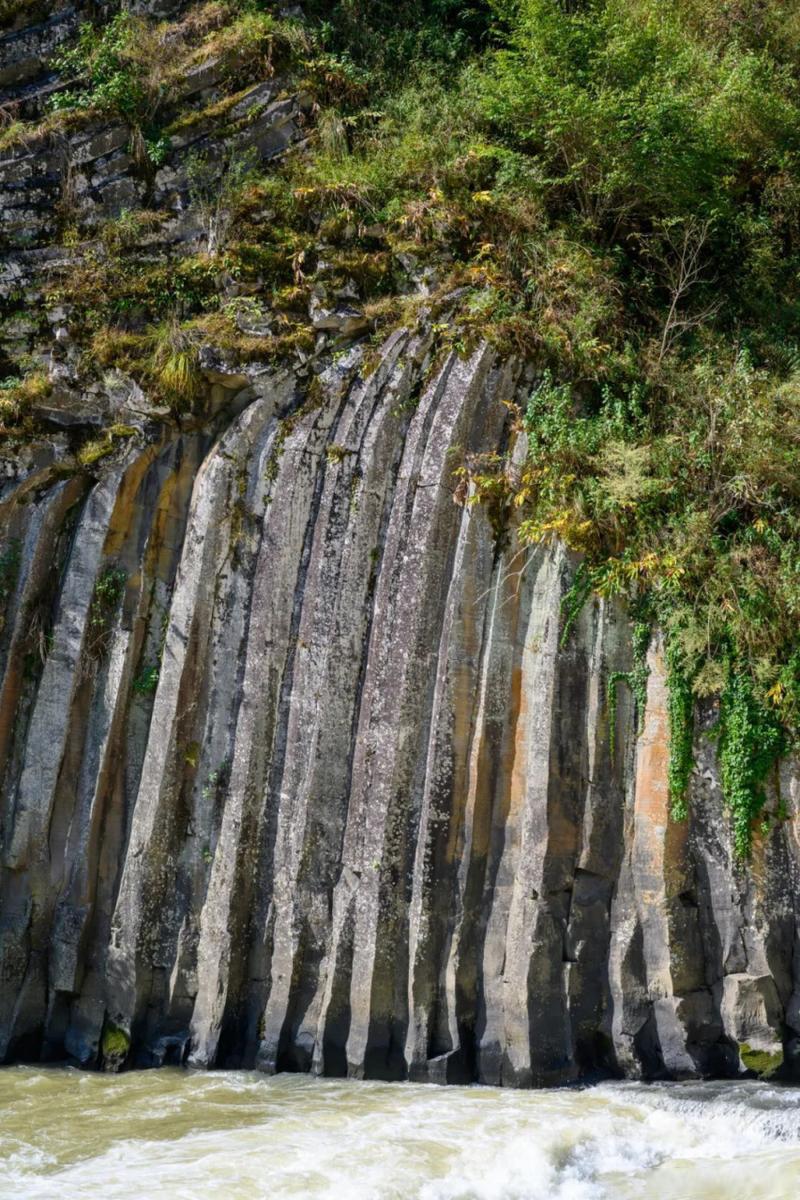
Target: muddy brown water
column 244, row 1136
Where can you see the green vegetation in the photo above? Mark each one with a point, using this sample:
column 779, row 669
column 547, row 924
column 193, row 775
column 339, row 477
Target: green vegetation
column 131, row 68
column 109, row 68
column 115, row 1044
column 116, row 70
column 636, row 678
column 762, row 1062
column 215, row 190
column 615, row 185
column 101, row 447
column 216, row 781
column 607, row 188
column 750, row 740
column 680, row 706
column 109, row 589
column 146, row 681
column 574, row 600
column 18, row 394
column 108, row 592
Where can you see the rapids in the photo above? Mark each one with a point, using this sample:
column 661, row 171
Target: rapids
column 242, row 1136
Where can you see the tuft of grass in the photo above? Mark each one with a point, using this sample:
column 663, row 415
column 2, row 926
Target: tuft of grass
column 174, row 365
column 18, row 395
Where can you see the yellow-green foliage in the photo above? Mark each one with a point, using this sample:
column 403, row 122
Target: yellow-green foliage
column 212, row 112
column 92, row 452
column 174, row 366
column 257, row 42
column 13, row 133
column 131, row 66
column 17, row 396
column 126, row 231
column 100, row 447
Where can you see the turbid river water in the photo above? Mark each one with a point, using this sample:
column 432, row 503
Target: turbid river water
column 240, row 1136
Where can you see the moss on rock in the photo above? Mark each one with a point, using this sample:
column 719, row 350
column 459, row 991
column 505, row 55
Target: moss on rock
column 763, row 1062
column 115, row 1046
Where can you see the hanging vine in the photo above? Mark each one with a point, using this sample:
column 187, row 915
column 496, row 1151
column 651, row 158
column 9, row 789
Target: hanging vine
column 680, row 713
column 751, row 739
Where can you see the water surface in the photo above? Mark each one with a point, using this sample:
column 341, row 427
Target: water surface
column 242, row 1136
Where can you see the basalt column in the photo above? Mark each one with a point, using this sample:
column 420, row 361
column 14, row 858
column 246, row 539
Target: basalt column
column 300, row 769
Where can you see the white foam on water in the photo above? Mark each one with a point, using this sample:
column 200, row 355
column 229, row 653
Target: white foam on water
column 241, row 1136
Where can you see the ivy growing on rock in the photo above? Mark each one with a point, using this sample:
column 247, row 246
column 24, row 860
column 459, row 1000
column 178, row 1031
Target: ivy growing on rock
column 574, row 599
column 680, row 712
column 636, row 678
column 750, row 739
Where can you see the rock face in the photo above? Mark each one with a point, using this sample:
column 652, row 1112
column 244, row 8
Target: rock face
column 297, row 768
column 297, row 772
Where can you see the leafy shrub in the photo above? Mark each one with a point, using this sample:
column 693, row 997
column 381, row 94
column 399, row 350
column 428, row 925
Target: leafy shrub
column 109, row 70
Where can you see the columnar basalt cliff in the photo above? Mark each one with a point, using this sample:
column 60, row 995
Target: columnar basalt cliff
column 300, row 768
column 318, row 788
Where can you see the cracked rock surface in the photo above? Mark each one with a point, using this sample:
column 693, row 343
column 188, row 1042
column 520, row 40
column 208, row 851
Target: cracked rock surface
column 296, row 768
column 298, row 774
